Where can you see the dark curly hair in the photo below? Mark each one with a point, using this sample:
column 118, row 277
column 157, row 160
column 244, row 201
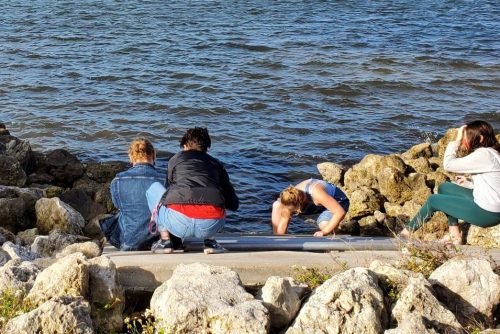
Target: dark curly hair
column 196, row 139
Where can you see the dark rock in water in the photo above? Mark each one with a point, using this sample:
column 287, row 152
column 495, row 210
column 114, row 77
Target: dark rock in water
column 103, row 196
column 2, row 149
column 105, row 172
column 3, row 130
column 17, row 207
column 40, row 178
column 81, row 202
column 19, row 150
column 55, row 242
column 62, row 165
column 11, row 172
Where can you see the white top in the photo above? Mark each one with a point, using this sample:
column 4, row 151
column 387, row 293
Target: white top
column 484, row 166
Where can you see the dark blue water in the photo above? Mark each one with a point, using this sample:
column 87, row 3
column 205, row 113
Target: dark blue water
column 280, row 85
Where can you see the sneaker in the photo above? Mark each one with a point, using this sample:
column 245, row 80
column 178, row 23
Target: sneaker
column 162, row 247
column 213, row 247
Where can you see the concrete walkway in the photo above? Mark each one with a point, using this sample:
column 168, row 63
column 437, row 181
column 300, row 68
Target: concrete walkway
column 146, row 271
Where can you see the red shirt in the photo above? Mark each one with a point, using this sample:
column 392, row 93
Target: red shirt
column 199, row 211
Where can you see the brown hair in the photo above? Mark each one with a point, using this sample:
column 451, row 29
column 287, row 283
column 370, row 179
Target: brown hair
column 293, row 197
column 477, row 129
column 141, row 149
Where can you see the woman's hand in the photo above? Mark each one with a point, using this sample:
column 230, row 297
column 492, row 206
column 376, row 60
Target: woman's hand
column 460, row 133
column 319, row 234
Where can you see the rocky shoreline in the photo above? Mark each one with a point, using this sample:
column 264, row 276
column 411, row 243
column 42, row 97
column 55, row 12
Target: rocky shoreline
column 50, row 263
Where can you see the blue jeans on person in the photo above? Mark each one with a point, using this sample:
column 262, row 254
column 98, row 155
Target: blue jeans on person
column 177, row 223
column 339, row 196
column 128, row 229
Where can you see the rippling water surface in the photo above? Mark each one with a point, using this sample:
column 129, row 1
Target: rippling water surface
column 282, row 85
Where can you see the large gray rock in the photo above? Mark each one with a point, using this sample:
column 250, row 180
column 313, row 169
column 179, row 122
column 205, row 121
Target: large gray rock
column 17, row 207
column 486, row 237
column 11, row 172
column 418, row 300
column 350, row 302
column 199, row 298
column 28, row 236
column 469, row 286
column 104, row 172
column 52, row 213
column 55, row 242
column 17, row 252
column 68, row 276
column 331, row 172
column 18, row 276
column 106, row 296
column 281, row 299
column 83, row 203
column 61, row 315
column 19, row 150
column 62, row 166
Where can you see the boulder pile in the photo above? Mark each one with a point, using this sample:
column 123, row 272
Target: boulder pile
column 78, row 294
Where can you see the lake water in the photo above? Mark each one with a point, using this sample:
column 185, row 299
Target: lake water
column 281, row 85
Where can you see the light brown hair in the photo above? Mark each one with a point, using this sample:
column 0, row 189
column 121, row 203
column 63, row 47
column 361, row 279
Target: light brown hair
column 141, row 149
column 293, row 198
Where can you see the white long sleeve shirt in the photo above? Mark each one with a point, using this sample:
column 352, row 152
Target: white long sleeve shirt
column 484, row 166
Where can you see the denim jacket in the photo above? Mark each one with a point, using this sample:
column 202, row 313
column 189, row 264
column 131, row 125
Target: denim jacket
column 128, row 192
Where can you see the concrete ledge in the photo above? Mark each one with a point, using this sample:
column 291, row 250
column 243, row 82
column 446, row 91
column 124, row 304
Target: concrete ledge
column 146, row 271
column 256, row 257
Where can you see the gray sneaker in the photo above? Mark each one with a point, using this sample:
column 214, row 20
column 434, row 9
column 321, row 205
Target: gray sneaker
column 162, row 247
column 213, row 247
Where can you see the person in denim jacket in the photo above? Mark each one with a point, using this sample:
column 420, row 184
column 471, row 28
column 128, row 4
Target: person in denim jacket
column 128, row 229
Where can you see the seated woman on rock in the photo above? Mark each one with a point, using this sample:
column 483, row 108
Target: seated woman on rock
column 310, row 197
column 476, row 202
column 198, row 195
column 128, row 229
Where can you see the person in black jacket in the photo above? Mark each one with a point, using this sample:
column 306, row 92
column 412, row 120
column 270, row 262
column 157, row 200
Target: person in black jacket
column 199, row 192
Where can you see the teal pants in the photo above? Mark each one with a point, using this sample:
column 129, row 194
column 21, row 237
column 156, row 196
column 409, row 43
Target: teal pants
column 457, row 203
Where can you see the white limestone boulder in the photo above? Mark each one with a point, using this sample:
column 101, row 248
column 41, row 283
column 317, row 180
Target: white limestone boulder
column 412, row 325
column 469, row 286
column 350, row 302
column 282, row 299
column 68, row 276
column 52, row 213
column 61, row 315
column 18, row 276
column 418, row 300
column 90, row 249
column 200, row 298
column 106, row 296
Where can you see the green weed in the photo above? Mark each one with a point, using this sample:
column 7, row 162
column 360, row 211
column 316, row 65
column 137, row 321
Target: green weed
column 313, row 276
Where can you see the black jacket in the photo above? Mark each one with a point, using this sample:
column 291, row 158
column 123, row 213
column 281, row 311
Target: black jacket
column 195, row 177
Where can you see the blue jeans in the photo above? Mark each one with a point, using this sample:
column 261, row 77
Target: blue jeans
column 176, row 223
column 128, row 230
